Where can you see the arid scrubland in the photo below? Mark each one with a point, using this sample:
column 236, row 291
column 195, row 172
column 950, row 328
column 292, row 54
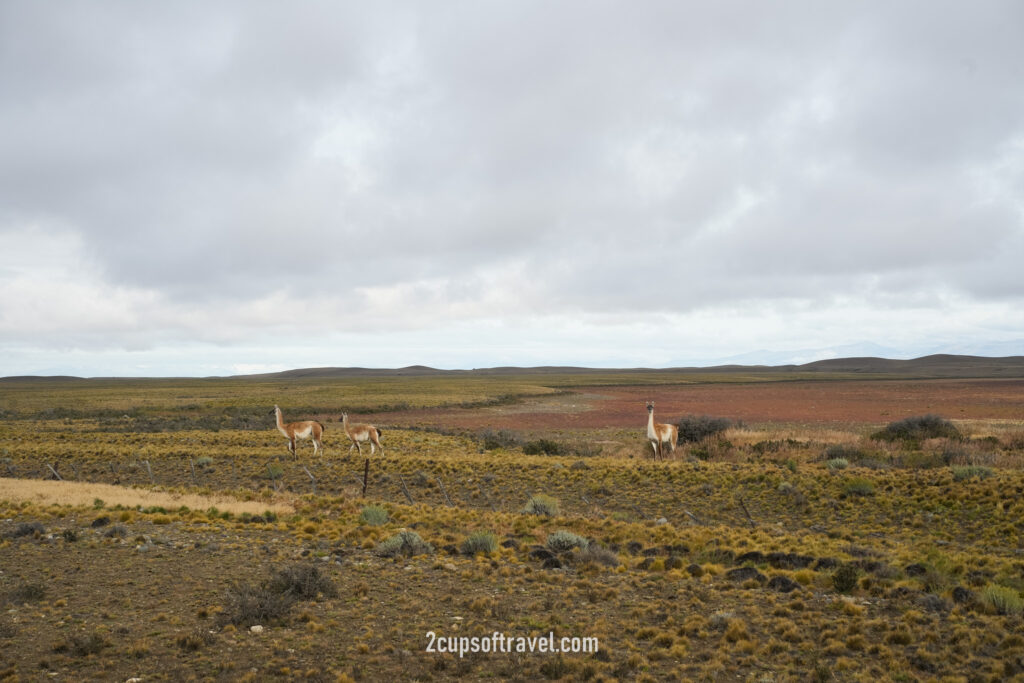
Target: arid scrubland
column 765, row 550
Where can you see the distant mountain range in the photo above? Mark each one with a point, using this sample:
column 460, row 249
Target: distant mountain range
column 934, row 366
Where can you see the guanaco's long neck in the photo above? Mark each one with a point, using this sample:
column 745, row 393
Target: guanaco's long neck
column 650, row 425
column 280, row 421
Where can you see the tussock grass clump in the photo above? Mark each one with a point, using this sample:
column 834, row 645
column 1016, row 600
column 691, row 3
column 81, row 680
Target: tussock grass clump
column 374, row 515
column 916, row 429
column 696, row 428
column 541, row 504
column 1002, row 600
column 834, row 464
column 971, row 471
column 405, row 543
column 563, row 541
column 479, row 542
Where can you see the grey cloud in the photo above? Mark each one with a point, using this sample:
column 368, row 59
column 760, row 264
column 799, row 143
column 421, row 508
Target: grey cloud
column 611, row 148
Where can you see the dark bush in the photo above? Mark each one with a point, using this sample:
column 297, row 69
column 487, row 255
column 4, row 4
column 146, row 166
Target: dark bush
column 544, row 447
column 304, row 581
column 83, row 645
column 695, row 428
column 503, row 438
column 917, row 429
column 27, row 592
column 845, row 451
column 845, row 578
column 247, row 604
column 26, row 529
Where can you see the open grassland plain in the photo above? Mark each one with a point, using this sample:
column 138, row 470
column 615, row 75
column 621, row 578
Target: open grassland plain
column 146, row 528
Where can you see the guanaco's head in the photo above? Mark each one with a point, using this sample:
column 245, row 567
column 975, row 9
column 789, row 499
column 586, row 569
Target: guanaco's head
column 273, row 410
column 650, row 406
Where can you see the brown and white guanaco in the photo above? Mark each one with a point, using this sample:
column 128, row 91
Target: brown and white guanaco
column 361, row 433
column 660, row 434
column 300, row 430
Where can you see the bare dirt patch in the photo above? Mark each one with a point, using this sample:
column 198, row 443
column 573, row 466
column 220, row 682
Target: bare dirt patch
column 77, row 493
column 810, row 402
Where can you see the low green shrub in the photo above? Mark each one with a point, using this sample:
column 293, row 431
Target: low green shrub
column 541, row 504
column 374, row 515
column 837, row 464
column 563, row 541
column 971, row 471
column 405, row 543
column 858, row 486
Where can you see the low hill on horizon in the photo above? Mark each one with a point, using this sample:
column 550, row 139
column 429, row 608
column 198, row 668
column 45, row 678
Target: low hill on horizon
column 926, row 367
column 937, row 366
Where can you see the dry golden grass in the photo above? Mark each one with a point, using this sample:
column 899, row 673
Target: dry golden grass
column 85, row 493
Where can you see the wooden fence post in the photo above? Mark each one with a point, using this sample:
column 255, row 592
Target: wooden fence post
column 441, row 484
column 405, row 489
column 311, row 479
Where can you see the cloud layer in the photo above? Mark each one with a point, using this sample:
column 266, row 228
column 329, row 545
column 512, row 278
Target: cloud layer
column 249, row 176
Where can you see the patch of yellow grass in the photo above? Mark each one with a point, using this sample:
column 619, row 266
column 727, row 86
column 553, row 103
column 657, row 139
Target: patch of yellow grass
column 77, row 493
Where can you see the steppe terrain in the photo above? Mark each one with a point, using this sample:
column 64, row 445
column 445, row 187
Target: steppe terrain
column 159, row 530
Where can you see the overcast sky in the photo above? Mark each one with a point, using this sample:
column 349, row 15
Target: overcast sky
column 208, row 188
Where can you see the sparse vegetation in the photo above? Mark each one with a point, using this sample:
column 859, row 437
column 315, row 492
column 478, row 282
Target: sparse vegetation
column 659, row 560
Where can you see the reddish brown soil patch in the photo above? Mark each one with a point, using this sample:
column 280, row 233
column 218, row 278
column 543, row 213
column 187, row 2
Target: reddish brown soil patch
column 878, row 401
